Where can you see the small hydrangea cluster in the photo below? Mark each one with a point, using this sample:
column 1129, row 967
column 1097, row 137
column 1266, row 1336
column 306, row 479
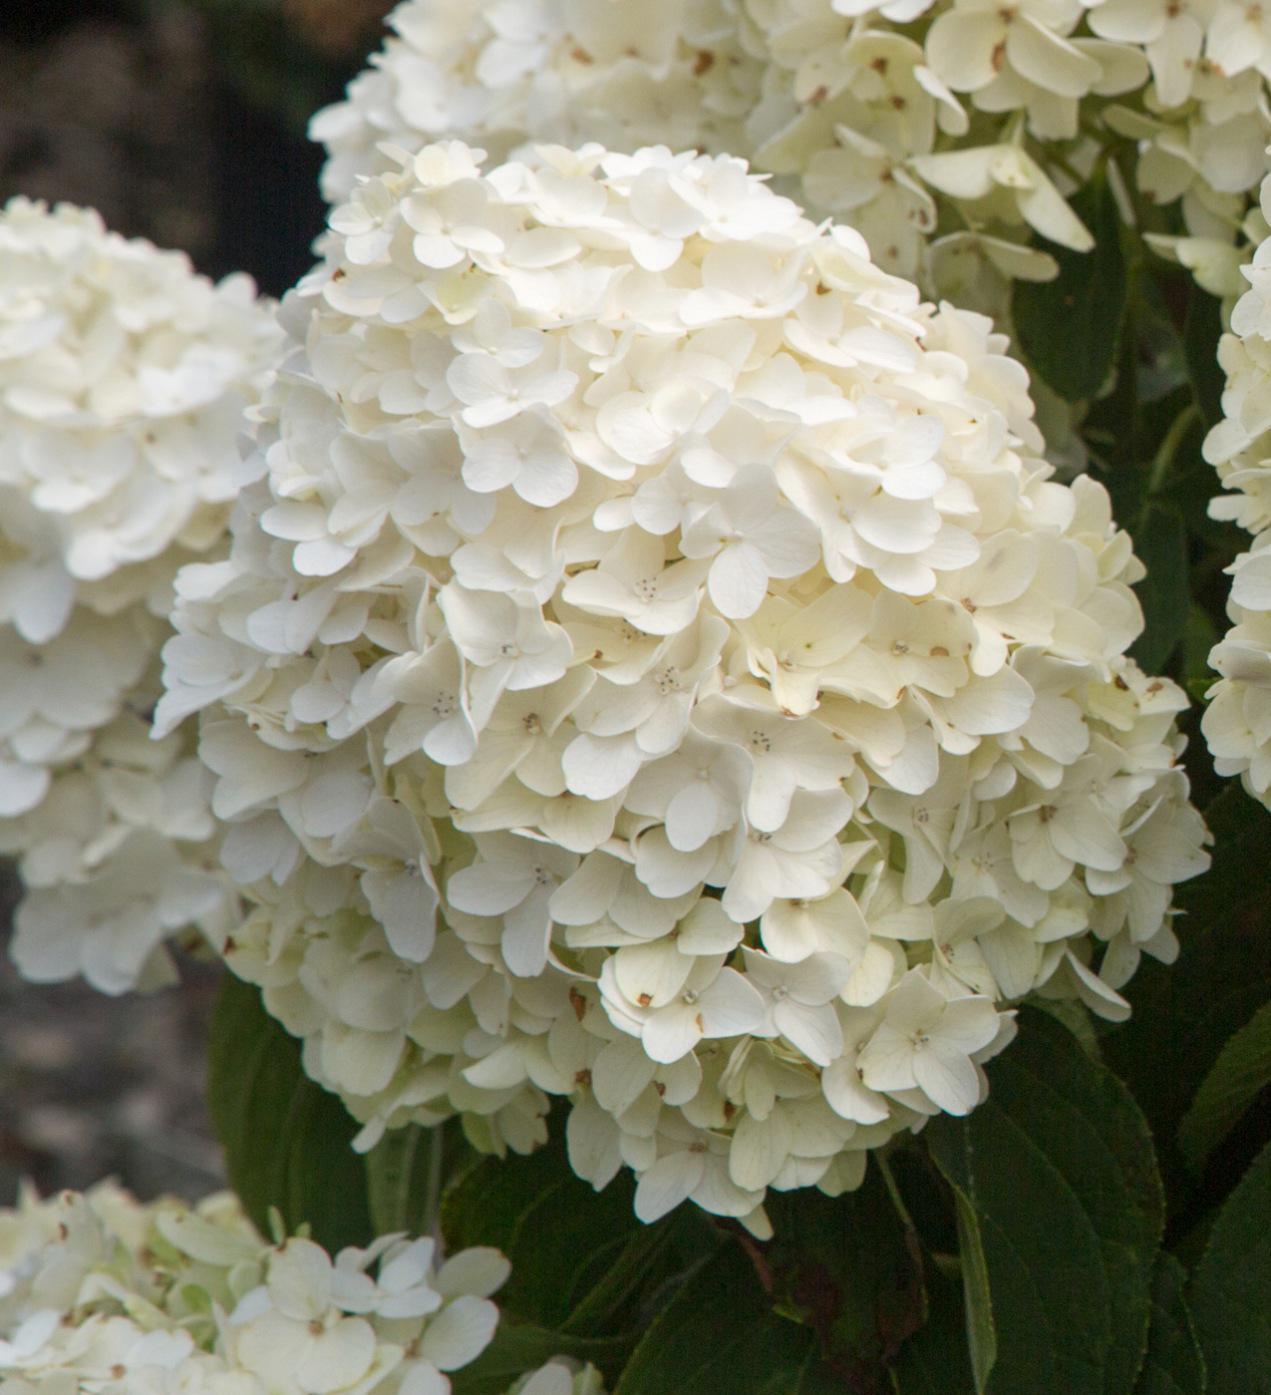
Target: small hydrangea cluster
column 654, row 666
column 103, row 1295
column 123, row 378
column 966, row 121
column 1237, row 723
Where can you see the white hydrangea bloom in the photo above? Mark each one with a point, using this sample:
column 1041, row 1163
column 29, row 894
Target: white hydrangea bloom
column 790, row 727
column 123, row 377
column 99, row 1292
column 1237, row 723
column 879, row 114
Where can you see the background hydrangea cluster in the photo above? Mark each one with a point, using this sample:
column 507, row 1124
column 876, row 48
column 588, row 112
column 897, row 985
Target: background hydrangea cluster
column 123, row 379
column 656, row 666
column 1237, row 723
column 947, row 132
column 100, row 1293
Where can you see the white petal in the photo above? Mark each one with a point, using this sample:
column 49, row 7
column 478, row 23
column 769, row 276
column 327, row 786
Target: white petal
column 947, row 1077
column 667, row 1183
column 459, row 1333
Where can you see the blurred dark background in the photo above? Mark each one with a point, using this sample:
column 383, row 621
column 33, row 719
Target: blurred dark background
column 182, row 121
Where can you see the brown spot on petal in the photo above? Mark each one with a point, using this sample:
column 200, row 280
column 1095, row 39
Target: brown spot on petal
column 999, row 56
column 578, row 1003
column 645, row 999
column 703, row 63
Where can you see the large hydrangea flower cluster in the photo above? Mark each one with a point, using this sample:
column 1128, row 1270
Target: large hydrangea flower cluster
column 123, row 377
column 654, row 666
column 966, row 121
column 1237, row 723
column 103, row 1295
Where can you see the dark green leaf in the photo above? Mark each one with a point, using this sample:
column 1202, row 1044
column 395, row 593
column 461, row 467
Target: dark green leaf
column 581, row 1261
column 977, row 1293
column 1231, row 1292
column 720, row 1336
column 642, row 1258
column 1173, row 1364
column 935, row 1360
column 1077, row 1018
column 1201, row 332
column 852, row 1270
column 1160, row 540
column 1241, row 1072
column 1184, row 1014
column 1057, row 1167
column 402, row 1172
column 1199, row 638
column 287, row 1141
column 1069, row 328
column 521, row 1347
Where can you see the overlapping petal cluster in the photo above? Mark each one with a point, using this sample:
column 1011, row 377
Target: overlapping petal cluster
column 104, row 1295
column 969, row 122
column 1237, row 723
column 655, row 666
column 123, row 377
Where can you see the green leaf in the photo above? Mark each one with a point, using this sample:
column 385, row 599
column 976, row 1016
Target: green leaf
column 1160, row 540
column 1199, row 637
column 287, row 1141
column 1241, row 1072
column 1184, row 1014
column 719, row 1335
column 1069, row 328
column 1073, row 1014
column 1231, row 1292
column 935, row 1360
column 582, row 1264
column 642, row 1257
column 402, row 1174
column 977, row 1294
column 1201, row 332
column 851, row 1269
column 1057, row 1168
column 521, row 1347
column 1173, row 1364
